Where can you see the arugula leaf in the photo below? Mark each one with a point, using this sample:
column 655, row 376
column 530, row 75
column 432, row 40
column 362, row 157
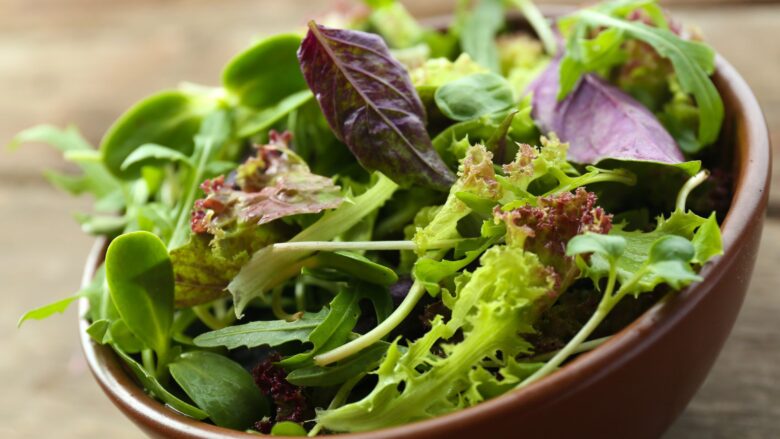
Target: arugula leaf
column 266, row 73
column 478, row 33
column 473, row 96
column 95, row 179
column 354, row 265
column 342, row 318
column 370, row 104
column 45, row 311
column 267, row 269
column 221, row 387
column 317, row 376
column 263, row 333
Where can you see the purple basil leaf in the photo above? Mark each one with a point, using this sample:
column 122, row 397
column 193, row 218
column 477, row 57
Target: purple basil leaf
column 371, row 105
column 600, row 121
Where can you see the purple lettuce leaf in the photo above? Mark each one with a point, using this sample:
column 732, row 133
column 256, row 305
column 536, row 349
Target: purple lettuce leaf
column 370, row 104
column 600, row 121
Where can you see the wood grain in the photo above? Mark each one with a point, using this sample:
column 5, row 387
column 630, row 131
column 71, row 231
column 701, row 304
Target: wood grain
column 84, row 61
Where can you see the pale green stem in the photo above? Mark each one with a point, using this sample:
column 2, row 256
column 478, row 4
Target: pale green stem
column 539, row 23
column 359, row 245
column 571, row 347
column 180, row 232
column 205, row 316
column 690, row 185
column 376, row 334
column 147, row 358
column 584, row 347
column 338, row 399
column 278, row 309
column 300, row 295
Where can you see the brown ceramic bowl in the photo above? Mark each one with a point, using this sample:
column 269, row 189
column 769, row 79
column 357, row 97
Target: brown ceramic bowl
column 642, row 378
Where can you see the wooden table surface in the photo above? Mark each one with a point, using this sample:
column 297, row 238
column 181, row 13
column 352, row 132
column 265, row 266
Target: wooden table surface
column 84, row 61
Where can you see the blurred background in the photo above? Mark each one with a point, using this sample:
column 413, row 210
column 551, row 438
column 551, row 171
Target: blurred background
column 83, row 62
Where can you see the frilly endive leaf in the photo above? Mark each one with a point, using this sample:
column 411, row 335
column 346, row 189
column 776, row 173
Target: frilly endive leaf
column 371, row 105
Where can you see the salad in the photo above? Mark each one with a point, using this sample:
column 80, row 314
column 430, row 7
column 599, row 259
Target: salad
column 372, row 222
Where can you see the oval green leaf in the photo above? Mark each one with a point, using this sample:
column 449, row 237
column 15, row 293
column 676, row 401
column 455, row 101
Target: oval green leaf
column 221, row 387
column 473, row 96
column 140, row 278
column 288, row 428
column 169, row 118
column 265, row 73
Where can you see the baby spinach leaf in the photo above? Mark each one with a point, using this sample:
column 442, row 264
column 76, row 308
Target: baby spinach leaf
column 599, row 121
column 287, row 428
column 221, row 387
column 266, row 73
column 169, row 118
column 317, row 376
column 151, row 384
column 124, row 338
column 473, row 96
column 140, row 278
column 371, row 105
column 478, row 33
column 263, row 333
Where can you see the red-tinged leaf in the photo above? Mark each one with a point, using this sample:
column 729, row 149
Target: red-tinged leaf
column 370, row 104
column 599, row 121
column 547, row 227
column 274, row 184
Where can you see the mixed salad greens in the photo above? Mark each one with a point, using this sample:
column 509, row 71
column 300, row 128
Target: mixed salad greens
column 373, row 222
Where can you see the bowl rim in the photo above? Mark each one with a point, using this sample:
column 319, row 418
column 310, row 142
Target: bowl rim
column 748, row 203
